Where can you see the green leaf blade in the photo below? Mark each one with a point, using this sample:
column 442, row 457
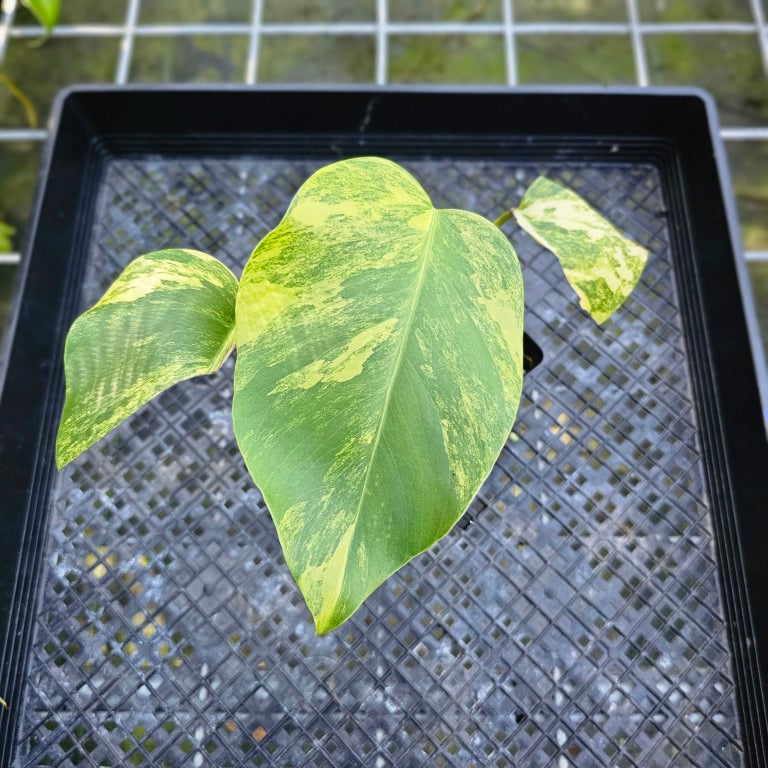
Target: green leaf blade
column 378, row 374
column 45, row 11
column 169, row 316
column 600, row 264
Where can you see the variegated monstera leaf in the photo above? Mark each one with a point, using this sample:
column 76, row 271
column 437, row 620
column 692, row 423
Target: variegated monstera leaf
column 378, row 374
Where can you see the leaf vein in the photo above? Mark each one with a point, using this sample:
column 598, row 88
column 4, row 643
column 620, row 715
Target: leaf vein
column 425, row 258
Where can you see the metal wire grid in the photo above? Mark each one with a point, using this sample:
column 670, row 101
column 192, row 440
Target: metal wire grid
column 582, row 629
column 382, row 29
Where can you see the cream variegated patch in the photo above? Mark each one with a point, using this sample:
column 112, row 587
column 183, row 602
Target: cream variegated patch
column 347, row 364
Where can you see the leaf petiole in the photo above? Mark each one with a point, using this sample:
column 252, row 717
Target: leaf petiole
column 26, row 104
column 506, row 216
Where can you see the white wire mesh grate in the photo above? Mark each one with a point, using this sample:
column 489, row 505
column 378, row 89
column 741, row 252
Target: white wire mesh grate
column 382, row 28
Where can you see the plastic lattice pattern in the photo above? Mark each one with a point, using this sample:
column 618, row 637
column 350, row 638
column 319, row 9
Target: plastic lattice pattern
column 572, row 619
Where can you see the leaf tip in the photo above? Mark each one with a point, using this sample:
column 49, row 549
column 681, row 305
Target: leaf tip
column 325, row 622
column 328, row 618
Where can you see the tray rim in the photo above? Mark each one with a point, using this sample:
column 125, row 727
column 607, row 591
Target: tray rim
column 752, row 709
column 760, row 359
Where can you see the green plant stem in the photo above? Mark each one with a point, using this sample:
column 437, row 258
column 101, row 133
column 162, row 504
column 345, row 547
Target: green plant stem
column 29, row 108
column 506, row 216
column 38, row 41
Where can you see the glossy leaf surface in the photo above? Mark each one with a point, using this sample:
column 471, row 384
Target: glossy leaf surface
column 601, row 264
column 378, row 374
column 169, row 316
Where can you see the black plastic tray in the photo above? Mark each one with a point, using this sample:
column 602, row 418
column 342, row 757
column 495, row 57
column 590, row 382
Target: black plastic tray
column 602, row 604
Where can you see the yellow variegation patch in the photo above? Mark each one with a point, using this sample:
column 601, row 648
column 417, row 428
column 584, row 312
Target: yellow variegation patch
column 378, row 374
column 170, row 315
column 601, row 264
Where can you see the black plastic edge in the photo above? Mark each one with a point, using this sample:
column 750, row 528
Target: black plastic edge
column 736, row 599
column 28, row 413
column 728, row 401
column 675, row 124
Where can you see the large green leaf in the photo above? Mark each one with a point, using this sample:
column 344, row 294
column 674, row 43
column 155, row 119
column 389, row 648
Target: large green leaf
column 169, row 316
column 45, row 11
column 601, row 264
column 378, row 374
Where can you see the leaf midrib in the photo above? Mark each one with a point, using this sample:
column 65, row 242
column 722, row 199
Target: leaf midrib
column 426, row 260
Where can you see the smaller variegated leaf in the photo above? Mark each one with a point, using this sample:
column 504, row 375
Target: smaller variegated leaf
column 169, row 316
column 601, row 264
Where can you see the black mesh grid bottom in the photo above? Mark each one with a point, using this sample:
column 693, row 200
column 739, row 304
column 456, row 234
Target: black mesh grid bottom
column 572, row 619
